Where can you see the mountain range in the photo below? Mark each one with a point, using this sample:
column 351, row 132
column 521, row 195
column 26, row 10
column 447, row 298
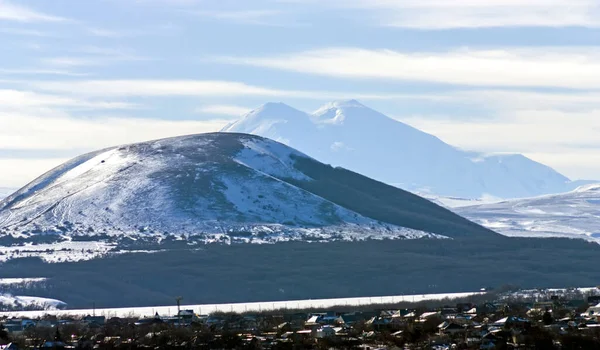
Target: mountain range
column 131, row 225
column 575, row 214
column 353, row 136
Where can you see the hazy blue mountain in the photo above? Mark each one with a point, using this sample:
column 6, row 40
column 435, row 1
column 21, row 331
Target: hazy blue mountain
column 353, row 136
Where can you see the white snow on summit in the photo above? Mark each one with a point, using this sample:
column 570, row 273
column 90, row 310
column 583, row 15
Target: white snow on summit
column 575, row 214
column 356, row 137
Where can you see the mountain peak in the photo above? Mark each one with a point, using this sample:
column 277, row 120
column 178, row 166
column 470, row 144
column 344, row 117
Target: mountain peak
column 274, row 108
column 271, row 119
column 347, row 104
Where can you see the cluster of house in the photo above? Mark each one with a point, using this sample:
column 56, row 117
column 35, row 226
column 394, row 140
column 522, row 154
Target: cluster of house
column 484, row 326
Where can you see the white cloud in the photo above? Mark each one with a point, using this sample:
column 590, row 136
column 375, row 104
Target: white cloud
column 63, row 132
column 12, row 12
column 45, row 124
column 521, row 67
column 105, row 33
column 19, row 100
column 35, row 71
column 519, row 99
column 228, row 110
column 24, row 32
column 261, row 17
column 159, row 87
column 148, row 87
column 94, row 56
column 66, row 61
column 447, row 14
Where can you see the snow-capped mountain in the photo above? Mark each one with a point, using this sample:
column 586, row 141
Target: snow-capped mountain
column 575, row 214
column 218, row 187
column 358, row 138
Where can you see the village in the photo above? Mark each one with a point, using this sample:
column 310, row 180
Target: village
column 516, row 320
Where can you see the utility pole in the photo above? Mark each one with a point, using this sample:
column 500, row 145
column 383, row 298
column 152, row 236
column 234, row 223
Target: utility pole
column 179, row 309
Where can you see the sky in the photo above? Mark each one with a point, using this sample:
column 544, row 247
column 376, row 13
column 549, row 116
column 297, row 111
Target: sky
column 498, row 76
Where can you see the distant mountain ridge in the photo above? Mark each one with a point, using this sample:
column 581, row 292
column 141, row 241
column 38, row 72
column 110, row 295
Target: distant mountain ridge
column 353, row 136
column 575, row 214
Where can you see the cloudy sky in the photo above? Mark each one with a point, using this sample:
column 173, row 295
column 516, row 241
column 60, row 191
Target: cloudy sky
column 489, row 75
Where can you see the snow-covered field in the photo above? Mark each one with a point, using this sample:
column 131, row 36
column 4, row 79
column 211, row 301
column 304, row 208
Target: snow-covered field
column 457, row 202
column 57, row 252
column 575, row 214
column 9, row 281
column 45, row 304
column 241, row 307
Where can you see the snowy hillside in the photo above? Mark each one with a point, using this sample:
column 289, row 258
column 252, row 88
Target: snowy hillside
column 457, row 202
column 205, row 188
column 353, row 136
column 574, row 214
column 10, row 302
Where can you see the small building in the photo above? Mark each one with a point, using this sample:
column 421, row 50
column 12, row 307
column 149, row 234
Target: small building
column 593, row 311
column 451, row 328
column 325, row 332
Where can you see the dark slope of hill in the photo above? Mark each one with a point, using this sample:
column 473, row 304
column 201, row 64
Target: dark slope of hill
column 382, row 202
column 299, row 270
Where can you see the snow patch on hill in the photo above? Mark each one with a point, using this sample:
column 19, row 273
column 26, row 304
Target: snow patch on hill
column 60, row 251
column 30, row 303
column 11, row 281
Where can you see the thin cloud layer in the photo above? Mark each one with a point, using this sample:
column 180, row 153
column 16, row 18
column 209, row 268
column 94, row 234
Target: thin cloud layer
column 524, row 67
column 11, row 11
column 227, row 110
column 442, row 14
